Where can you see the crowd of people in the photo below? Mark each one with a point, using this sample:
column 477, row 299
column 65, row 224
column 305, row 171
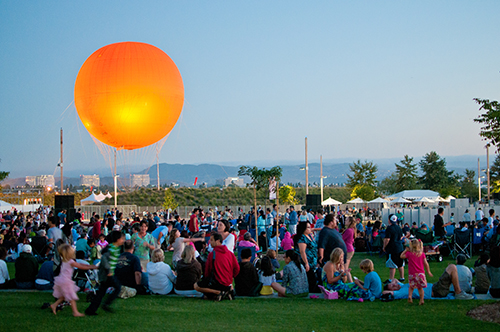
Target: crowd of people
column 218, row 256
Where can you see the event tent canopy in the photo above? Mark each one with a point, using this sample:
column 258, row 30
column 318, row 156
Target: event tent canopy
column 356, row 201
column 330, row 201
column 400, row 200
column 379, row 200
column 414, row 194
column 423, row 200
column 90, row 200
column 108, row 195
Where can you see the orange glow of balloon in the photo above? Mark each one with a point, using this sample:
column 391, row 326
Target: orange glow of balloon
column 129, row 95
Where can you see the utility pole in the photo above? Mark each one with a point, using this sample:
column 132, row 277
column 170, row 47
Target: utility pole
column 488, row 170
column 61, row 164
column 321, row 175
column 307, row 173
column 479, row 179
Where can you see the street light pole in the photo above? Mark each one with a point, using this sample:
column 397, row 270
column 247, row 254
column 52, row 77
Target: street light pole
column 488, row 170
column 479, row 179
column 307, row 173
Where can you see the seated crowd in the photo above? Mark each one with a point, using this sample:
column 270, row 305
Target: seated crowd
column 211, row 254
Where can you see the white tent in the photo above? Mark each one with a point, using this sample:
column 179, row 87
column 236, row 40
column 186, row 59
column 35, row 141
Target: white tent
column 423, row 200
column 90, row 200
column 330, row 201
column 108, row 195
column 5, row 204
column 440, row 199
column 356, row 201
column 413, row 194
column 101, row 196
column 379, row 200
column 400, row 200
column 449, row 198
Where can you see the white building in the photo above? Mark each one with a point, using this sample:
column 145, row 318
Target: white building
column 40, row 181
column 90, row 180
column 230, row 180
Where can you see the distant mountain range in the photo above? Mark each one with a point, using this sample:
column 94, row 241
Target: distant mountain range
column 185, row 174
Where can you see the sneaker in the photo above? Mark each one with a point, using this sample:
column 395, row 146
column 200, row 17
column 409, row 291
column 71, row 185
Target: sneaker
column 229, row 296
column 401, row 279
column 220, row 296
column 464, row 296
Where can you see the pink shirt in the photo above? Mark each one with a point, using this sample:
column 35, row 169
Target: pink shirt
column 348, row 237
column 415, row 263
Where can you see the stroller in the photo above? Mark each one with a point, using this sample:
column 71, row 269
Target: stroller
column 87, row 281
column 431, row 247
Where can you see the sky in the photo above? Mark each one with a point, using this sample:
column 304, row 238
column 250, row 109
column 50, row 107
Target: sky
column 359, row 79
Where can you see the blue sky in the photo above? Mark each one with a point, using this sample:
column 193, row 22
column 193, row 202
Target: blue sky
column 360, row 79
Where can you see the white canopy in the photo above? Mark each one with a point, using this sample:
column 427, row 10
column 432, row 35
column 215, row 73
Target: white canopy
column 440, row 199
column 5, row 204
column 101, row 196
column 330, row 201
column 400, row 200
column 449, row 198
column 356, row 201
column 423, row 200
column 108, row 195
column 90, row 200
column 413, row 194
column 379, row 200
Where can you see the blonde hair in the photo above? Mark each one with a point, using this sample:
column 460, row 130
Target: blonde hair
column 304, row 213
column 157, row 256
column 271, row 253
column 352, row 222
column 335, row 256
column 66, row 252
column 416, row 246
column 188, row 254
column 366, row 265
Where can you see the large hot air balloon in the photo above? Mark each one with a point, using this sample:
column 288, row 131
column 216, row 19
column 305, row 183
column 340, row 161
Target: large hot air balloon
column 129, row 95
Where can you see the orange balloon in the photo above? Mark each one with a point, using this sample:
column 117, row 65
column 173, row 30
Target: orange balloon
column 129, row 95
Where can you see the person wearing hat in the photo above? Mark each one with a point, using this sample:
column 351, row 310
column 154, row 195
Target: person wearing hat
column 393, row 247
column 26, row 269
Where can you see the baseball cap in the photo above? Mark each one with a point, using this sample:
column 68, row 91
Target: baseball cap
column 393, row 218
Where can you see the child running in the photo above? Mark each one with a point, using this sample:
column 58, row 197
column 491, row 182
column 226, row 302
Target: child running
column 416, row 273
column 64, row 287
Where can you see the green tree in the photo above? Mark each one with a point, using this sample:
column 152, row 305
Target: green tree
column 436, row 177
column 387, row 185
column 3, row 176
column 363, row 178
column 169, row 201
column 490, row 121
column 468, row 186
column 406, row 174
column 287, row 195
column 495, row 174
column 364, row 191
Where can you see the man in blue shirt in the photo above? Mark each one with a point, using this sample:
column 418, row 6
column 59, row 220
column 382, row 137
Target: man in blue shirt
column 292, row 224
column 160, row 234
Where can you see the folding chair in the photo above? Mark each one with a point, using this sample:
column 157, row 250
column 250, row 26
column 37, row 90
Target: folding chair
column 462, row 242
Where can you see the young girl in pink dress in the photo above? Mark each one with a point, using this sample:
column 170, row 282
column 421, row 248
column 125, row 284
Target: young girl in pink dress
column 64, row 287
column 416, row 272
column 348, row 237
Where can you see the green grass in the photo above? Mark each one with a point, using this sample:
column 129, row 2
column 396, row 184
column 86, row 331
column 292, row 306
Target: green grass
column 21, row 311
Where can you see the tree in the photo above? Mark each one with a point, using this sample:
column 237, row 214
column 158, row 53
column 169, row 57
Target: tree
column 490, row 121
column 436, row 177
column 169, row 200
column 363, row 178
column 287, row 195
column 406, row 175
column 3, row 176
column 495, row 174
column 364, row 191
column 387, row 186
column 468, row 186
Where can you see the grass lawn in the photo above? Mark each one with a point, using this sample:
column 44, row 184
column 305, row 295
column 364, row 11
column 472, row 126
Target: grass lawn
column 20, row 311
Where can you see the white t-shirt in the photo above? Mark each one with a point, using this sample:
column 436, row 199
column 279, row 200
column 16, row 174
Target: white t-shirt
column 4, row 272
column 229, row 242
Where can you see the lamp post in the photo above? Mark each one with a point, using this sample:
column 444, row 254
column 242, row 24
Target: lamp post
column 488, row 170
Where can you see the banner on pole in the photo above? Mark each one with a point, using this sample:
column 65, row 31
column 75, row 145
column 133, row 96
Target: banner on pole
column 272, row 189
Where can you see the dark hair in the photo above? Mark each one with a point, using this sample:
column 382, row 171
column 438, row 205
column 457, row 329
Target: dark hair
column 90, row 241
column 440, row 210
column 266, row 266
column 217, row 237
column 329, row 218
column 115, row 236
column 492, row 212
column 80, row 254
column 246, row 253
column 301, row 228
column 136, row 227
column 227, row 227
column 495, row 257
column 294, row 257
column 3, row 252
column 144, row 221
column 129, row 244
column 461, row 259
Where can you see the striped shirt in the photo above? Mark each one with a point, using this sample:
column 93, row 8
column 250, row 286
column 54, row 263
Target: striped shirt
column 114, row 254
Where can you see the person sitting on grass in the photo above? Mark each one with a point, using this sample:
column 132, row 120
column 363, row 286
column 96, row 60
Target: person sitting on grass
column 482, row 281
column 266, row 275
column 160, row 276
column 248, row 241
column 295, row 282
column 334, row 278
column 493, row 269
column 464, row 274
column 26, row 269
column 220, row 269
column 247, row 281
column 372, row 282
column 188, row 273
